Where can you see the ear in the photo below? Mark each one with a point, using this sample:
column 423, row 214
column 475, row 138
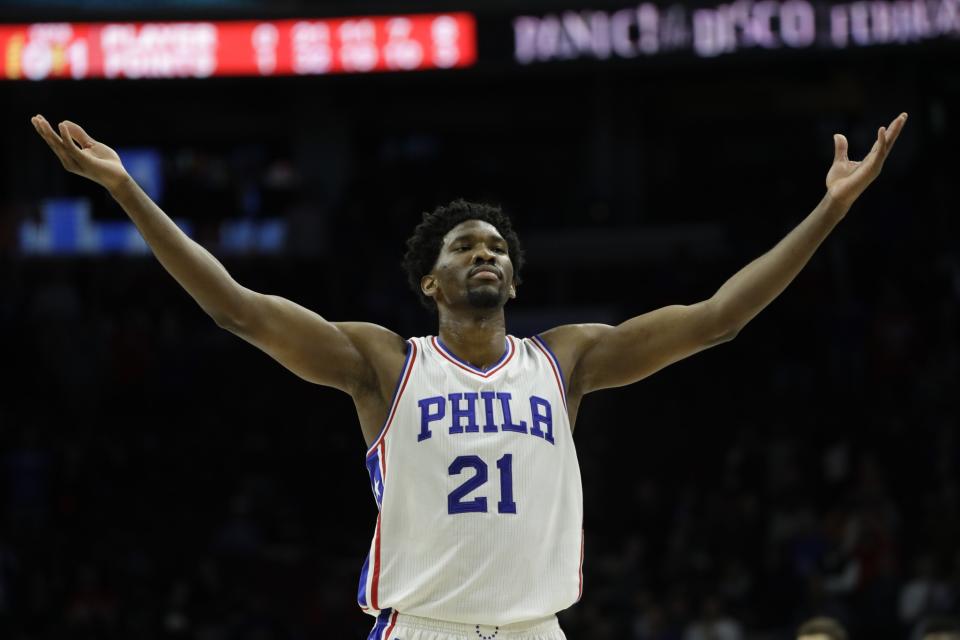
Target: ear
column 513, row 290
column 428, row 284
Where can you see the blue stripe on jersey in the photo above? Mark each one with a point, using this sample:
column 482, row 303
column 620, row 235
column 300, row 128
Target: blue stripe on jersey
column 393, row 400
column 362, row 591
column 382, row 621
column 543, row 343
column 376, row 480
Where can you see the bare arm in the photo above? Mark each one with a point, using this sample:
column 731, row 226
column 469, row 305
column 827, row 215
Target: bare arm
column 601, row 356
column 333, row 354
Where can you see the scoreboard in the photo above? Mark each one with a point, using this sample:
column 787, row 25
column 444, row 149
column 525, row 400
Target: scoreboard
column 413, row 42
column 237, row 48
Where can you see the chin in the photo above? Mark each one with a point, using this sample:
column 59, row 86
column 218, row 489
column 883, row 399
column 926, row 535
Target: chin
column 486, row 298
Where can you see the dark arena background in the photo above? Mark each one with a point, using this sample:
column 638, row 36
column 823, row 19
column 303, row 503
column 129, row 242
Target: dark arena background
column 161, row 479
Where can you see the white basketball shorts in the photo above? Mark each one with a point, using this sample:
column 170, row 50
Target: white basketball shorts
column 392, row 625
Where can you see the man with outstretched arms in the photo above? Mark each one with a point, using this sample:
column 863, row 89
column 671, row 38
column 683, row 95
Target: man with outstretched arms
column 469, row 432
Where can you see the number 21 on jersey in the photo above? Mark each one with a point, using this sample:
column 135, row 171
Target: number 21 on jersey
column 456, row 502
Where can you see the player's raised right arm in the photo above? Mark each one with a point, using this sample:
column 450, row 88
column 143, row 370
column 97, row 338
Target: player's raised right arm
column 332, row 354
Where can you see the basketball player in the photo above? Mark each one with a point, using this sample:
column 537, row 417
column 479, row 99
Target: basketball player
column 469, row 433
column 821, row 628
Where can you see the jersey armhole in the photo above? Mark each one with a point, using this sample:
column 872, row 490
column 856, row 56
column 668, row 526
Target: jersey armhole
column 397, row 394
column 554, row 364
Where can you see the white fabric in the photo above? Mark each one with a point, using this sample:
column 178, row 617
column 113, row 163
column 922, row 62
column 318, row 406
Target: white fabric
column 492, row 567
column 414, row 628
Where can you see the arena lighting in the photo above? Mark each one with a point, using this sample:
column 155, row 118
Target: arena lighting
column 651, row 29
column 237, row 48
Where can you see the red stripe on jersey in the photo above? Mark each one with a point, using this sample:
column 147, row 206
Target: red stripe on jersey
column 393, row 622
column 382, row 459
column 485, row 374
column 553, row 367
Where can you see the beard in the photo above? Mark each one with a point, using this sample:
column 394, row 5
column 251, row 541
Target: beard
column 486, row 298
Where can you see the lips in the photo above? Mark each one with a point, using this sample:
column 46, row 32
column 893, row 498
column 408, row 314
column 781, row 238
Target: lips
column 485, row 273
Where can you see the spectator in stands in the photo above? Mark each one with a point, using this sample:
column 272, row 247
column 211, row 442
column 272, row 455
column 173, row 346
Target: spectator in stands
column 821, row 628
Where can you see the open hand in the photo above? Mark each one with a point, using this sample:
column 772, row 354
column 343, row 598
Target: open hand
column 847, row 178
column 91, row 159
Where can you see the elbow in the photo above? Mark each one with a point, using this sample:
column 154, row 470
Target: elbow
column 225, row 322
column 725, row 332
column 724, row 327
column 728, row 334
column 727, row 337
column 719, row 339
column 233, row 317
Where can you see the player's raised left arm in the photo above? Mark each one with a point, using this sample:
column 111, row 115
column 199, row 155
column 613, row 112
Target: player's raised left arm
column 600, row 356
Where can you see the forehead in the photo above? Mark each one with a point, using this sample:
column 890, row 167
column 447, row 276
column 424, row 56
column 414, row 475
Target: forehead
column 472, row 228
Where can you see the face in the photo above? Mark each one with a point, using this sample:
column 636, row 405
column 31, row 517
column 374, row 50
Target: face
column 473, row 268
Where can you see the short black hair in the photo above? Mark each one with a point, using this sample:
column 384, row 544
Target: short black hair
column 823, row 625
column 423, row 247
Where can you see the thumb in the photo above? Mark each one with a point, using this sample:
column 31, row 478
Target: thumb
column 840, row 148
column 78, row 134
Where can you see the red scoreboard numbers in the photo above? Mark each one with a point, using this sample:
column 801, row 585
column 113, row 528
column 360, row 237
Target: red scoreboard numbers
column 238, row 48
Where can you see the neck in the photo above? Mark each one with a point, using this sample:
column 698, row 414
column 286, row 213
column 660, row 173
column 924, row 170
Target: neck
column 477, row 339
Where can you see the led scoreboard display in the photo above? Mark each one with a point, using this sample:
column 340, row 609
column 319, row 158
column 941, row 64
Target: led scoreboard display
column 504, row 38
column 237, row 48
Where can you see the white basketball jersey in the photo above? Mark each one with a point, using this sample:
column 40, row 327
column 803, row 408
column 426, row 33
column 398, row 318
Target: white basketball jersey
column 478, row 488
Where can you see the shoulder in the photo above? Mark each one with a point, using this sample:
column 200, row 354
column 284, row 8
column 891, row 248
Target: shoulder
column 569, row 343
column 384, row 350
column 367, row 334
column 574, row 338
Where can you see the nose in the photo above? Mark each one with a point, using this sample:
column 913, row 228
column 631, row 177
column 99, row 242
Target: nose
column 484, row 255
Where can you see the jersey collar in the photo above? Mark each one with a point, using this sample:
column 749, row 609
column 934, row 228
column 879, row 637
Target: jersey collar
column 509, row 350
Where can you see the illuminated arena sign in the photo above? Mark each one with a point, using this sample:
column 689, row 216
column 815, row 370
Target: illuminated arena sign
column 237, row 48
column 649, row 29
